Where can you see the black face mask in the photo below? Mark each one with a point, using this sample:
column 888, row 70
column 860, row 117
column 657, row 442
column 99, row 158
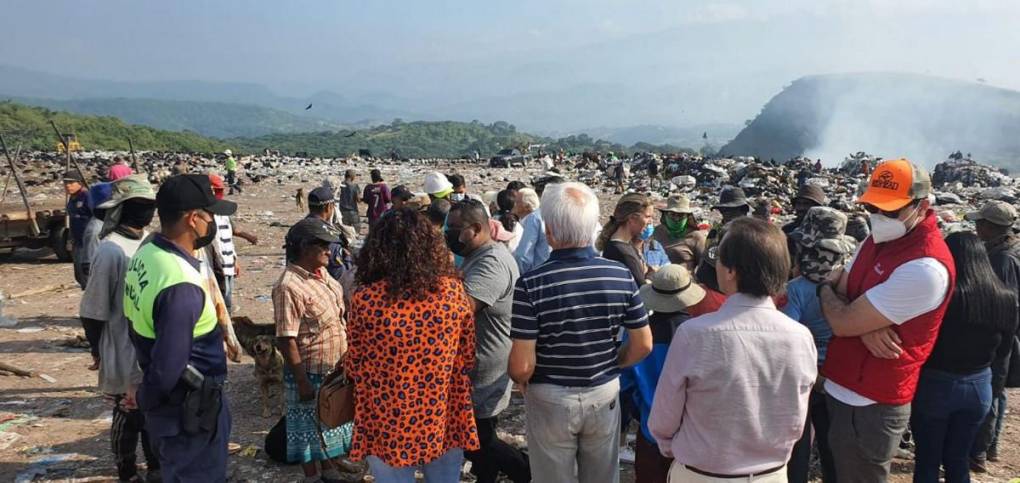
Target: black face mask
column 210, row 235
column 137, row 214
column 453, row 241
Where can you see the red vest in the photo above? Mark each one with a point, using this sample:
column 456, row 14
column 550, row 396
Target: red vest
column 848, row 363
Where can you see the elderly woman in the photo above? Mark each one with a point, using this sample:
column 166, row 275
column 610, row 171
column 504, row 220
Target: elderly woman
column 308, row 309
column 737, row 416
column 412, row 340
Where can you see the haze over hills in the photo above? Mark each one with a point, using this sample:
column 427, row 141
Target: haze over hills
column 891, row 115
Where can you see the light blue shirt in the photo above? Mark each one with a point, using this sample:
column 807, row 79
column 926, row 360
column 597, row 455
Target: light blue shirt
column 534, row 249
column 803, row 306
column 655, row 254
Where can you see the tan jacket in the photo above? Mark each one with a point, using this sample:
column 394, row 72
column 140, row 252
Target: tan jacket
column 686, row 251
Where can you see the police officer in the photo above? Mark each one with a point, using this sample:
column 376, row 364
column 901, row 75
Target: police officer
column 175, row 332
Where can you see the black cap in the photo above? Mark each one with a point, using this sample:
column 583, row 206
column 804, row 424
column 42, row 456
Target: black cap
column 191, row 192
column 312, row 228
column 73, row 175
column 320, row 196
column 402, row 192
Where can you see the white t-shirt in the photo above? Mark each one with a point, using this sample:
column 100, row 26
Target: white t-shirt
column 914, row 288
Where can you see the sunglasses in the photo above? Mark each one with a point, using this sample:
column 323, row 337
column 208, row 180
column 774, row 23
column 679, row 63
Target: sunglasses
column 890, row 214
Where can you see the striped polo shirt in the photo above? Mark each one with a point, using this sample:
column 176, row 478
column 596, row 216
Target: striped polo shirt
column 573, row 307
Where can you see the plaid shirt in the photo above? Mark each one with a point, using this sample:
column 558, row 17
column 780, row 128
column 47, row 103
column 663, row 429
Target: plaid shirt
column 310, row 308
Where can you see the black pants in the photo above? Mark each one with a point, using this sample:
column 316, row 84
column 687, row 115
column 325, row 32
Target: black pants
column 93, row 333
column 800, row 459
column 232, row 182
column 127, row 428
column 495, row 456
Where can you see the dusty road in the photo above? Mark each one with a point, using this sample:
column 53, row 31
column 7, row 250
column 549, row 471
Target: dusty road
column 56, row 426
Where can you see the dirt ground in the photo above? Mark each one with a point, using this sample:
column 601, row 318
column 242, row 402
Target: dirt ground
column 55, row 426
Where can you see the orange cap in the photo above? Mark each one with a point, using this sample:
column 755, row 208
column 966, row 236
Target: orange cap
column 218, row 186
column 894, row 184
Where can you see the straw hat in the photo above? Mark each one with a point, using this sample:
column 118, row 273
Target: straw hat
column 671, row 290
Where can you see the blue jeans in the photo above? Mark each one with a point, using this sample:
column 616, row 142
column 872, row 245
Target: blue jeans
column 948, row 409
column 445, row 469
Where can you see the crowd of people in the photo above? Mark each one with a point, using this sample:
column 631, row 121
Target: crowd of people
column 737, row 349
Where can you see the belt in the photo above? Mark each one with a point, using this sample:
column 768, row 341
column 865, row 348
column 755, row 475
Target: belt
column 718, row 475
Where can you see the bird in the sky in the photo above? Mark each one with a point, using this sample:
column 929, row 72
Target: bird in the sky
column 309, row 106
column 704, row 135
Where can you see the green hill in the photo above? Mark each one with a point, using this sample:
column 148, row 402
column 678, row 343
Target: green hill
column 216, row 119
column 411, row 139
column 30, row 127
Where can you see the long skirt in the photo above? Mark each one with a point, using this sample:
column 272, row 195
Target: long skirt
column 303, row 442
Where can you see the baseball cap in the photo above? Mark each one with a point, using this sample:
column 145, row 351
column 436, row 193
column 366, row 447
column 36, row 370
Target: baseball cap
column 135, row 186
column 73, row 175
column 320, row 196
column 402, row 192
column 312, row 228
column 191, row 192
column 896, row 183
column 996, row 212
column 99, row 193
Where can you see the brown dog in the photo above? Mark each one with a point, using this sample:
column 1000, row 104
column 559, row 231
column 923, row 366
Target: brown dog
column 268, row 371
column 299, row 197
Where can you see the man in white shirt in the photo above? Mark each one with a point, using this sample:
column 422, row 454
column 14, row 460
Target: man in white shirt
column 885, row 309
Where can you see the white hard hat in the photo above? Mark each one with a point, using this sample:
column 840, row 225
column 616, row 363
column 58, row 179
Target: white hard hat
column 228, row 152
column 436, row 182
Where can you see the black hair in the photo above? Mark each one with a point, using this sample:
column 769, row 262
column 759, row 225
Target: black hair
column 505, row 202
column 437, row 211
column 542, row 183
column 516, row 185
column 757, row 251
column 980, row 297
column 376, row 176
column 168, row 218
column 349, row 174
column 472, row 212
column 456, row 180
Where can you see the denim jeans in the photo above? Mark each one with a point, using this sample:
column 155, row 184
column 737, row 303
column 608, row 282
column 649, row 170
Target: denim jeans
column 948, row 410
column 445, row 469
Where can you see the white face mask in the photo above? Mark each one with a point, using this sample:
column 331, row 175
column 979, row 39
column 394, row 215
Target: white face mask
column 457, row 197
column 885, row 229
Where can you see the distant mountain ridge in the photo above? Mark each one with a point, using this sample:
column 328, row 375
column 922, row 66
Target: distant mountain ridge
column 891, row 115
column 215, row 119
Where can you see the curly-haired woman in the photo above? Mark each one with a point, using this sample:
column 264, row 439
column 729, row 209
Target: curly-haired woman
column 411, row 344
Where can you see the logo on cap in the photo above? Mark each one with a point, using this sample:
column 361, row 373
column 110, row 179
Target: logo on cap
column 885, row 181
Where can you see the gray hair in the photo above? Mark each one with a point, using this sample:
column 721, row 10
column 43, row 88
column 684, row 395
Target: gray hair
column 530, row 198
column 571, row 213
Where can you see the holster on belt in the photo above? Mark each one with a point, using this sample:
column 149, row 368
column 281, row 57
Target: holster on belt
column 201, row 408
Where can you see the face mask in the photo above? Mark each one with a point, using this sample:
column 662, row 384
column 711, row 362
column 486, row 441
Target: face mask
column 647, row 232
column 457, row 197
column 210, row 234
column 676, row 228
column 453, row 241
column 137, row 215
column 885, row 229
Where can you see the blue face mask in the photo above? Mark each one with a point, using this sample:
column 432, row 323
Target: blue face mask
column 647, row 232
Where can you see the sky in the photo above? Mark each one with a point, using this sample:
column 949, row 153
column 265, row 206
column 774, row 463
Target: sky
column 460, row 55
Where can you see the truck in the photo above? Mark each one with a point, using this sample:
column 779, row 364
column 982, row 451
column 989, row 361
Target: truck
column 509, row 158
column 17, row 230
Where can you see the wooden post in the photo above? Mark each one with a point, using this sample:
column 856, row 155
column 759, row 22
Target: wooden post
column 21, row 186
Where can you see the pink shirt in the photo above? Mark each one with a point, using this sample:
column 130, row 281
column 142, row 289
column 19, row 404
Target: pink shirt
column 733, row 394
column 119, row 171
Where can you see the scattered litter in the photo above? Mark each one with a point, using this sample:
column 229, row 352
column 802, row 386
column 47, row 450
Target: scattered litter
column 17, row 421
column 47, row 378
column 249, row 452
column 7, row 439
column 30, row 329
column 40, row 464
column 263, row 298
column 233, row 448
column 104, row 418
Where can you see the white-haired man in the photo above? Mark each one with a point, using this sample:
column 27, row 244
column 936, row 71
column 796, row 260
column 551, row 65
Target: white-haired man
column 567, row 314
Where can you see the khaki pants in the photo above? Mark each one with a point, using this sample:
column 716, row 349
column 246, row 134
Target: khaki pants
column 574, row 433
column 680, row 474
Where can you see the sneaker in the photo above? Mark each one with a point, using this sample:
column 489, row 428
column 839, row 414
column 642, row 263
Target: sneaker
column 977, row 464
